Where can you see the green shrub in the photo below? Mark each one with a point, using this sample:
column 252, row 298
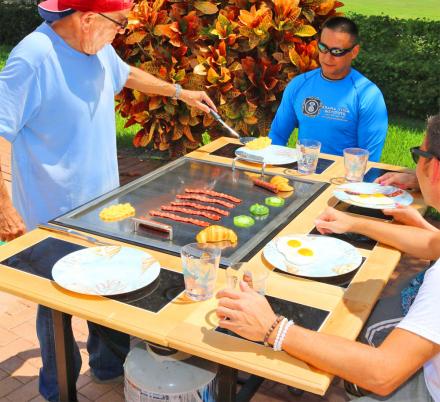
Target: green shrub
column 402, row 58
column 16, row 21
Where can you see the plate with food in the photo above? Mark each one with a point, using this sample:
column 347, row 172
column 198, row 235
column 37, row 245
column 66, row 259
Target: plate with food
column 312, row 256
column 372, row 195
column 260, row 150
column 106, row 270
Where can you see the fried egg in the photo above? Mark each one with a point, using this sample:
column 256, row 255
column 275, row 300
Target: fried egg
column 376, row 198
column 296, row 251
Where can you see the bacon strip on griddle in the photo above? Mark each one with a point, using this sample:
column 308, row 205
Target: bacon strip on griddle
column 189, row 211
column 179, row 218
column 213, row 194
column 204, row 199
column 201, row 207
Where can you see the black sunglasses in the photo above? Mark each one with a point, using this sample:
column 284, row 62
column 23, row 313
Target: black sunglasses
column 416, row 153
column 334, row 51
column 122, row 25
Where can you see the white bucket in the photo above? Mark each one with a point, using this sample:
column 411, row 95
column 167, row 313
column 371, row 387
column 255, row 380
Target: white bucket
column 176, row 377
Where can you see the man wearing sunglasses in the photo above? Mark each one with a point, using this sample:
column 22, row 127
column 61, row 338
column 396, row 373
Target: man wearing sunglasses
column 334, row 104
column 57, row 109
column 404, row 365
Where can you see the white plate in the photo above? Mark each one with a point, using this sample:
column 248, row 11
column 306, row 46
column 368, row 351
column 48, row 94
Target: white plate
column 272, row 155
column 106, row 270
column 370, row 198
column 332, row 257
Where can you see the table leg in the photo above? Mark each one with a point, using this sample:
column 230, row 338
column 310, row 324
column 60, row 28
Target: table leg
column 64, row 357
column 227, row 384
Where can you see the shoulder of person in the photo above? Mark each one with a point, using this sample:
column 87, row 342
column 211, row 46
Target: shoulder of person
column 434, row 271
column 301, row 79
column 368, row 92
column 34, row 48
column 360, row 81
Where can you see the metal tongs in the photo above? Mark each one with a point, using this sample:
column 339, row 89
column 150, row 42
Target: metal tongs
column 220, row 120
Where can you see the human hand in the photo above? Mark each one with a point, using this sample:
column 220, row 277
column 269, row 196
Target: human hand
column 399, row 179
column 11, row 224
column 334, row 221
column 245, row 312
column 198, row 99
column 410, row 216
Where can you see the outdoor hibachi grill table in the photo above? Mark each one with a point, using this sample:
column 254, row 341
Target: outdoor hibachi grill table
column 161, row 314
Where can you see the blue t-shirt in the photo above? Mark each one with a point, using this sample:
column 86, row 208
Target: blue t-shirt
column 57, row 110
column 344, row 113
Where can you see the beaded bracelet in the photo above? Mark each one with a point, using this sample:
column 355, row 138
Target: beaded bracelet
column 279, row 332
column 278, row 346
column 271, row 329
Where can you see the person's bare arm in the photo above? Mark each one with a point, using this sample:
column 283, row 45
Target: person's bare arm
column 149, row 84
column 380, row 370
column 11, row 224
column 419, row 242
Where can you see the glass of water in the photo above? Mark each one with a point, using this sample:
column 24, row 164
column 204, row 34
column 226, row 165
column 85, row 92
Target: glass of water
column 255, row 275
column 308, row 154
column 355, row 163
column 200, row 264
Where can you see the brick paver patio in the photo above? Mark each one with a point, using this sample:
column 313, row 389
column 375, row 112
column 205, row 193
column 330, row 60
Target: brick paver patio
column 19, row 350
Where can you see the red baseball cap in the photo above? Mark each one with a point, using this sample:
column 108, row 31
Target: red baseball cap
column 52, row 10
column 97, row 6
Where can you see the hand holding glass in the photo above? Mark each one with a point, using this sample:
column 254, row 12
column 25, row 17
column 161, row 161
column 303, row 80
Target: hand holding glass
column 355, row 163
column 200, row 263
column 308, row 154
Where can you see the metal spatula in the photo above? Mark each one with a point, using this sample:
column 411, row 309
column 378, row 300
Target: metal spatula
column 220, row 120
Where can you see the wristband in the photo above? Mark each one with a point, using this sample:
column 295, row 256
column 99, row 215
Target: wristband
column 178, row 91
column 271, row 329
column 279, row 333
column 283, row 335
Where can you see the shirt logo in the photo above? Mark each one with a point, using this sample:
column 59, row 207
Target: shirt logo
column 311, row 106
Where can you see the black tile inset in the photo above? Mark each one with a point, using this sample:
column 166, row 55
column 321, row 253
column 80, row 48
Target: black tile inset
column 228, row 151
column 41, row 257
column 373, row 213
column 322, row 166
column 373, row 173
column 354, row 239
column 305, row 316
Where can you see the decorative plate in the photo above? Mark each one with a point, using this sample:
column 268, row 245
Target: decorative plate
column 272, row 155
column 372, row 195
column 312, row 256
column 106, row 270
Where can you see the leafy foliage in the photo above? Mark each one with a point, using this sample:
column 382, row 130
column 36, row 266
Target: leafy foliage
column 242, row 52
column 16, row 21
column 402, row 58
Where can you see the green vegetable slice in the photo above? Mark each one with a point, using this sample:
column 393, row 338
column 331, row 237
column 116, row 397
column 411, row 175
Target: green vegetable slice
column 274, row 201
column 243, row 221
column 259, row 209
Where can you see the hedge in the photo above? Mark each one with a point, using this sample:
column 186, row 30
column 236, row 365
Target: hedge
column 16, row 21
column 402, row 58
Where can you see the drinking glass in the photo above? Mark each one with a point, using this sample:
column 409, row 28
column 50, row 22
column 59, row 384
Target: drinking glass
column 254, row 275
column 200, row 263
column 308, row 154
column 355, row 163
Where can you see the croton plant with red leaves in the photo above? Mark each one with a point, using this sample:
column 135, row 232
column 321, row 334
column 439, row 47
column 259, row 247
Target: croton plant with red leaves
column 242, row 52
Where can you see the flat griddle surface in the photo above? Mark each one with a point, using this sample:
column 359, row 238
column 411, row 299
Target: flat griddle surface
column 161, row 187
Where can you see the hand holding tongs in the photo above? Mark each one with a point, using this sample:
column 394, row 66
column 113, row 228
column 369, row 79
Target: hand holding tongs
column 220, row 120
